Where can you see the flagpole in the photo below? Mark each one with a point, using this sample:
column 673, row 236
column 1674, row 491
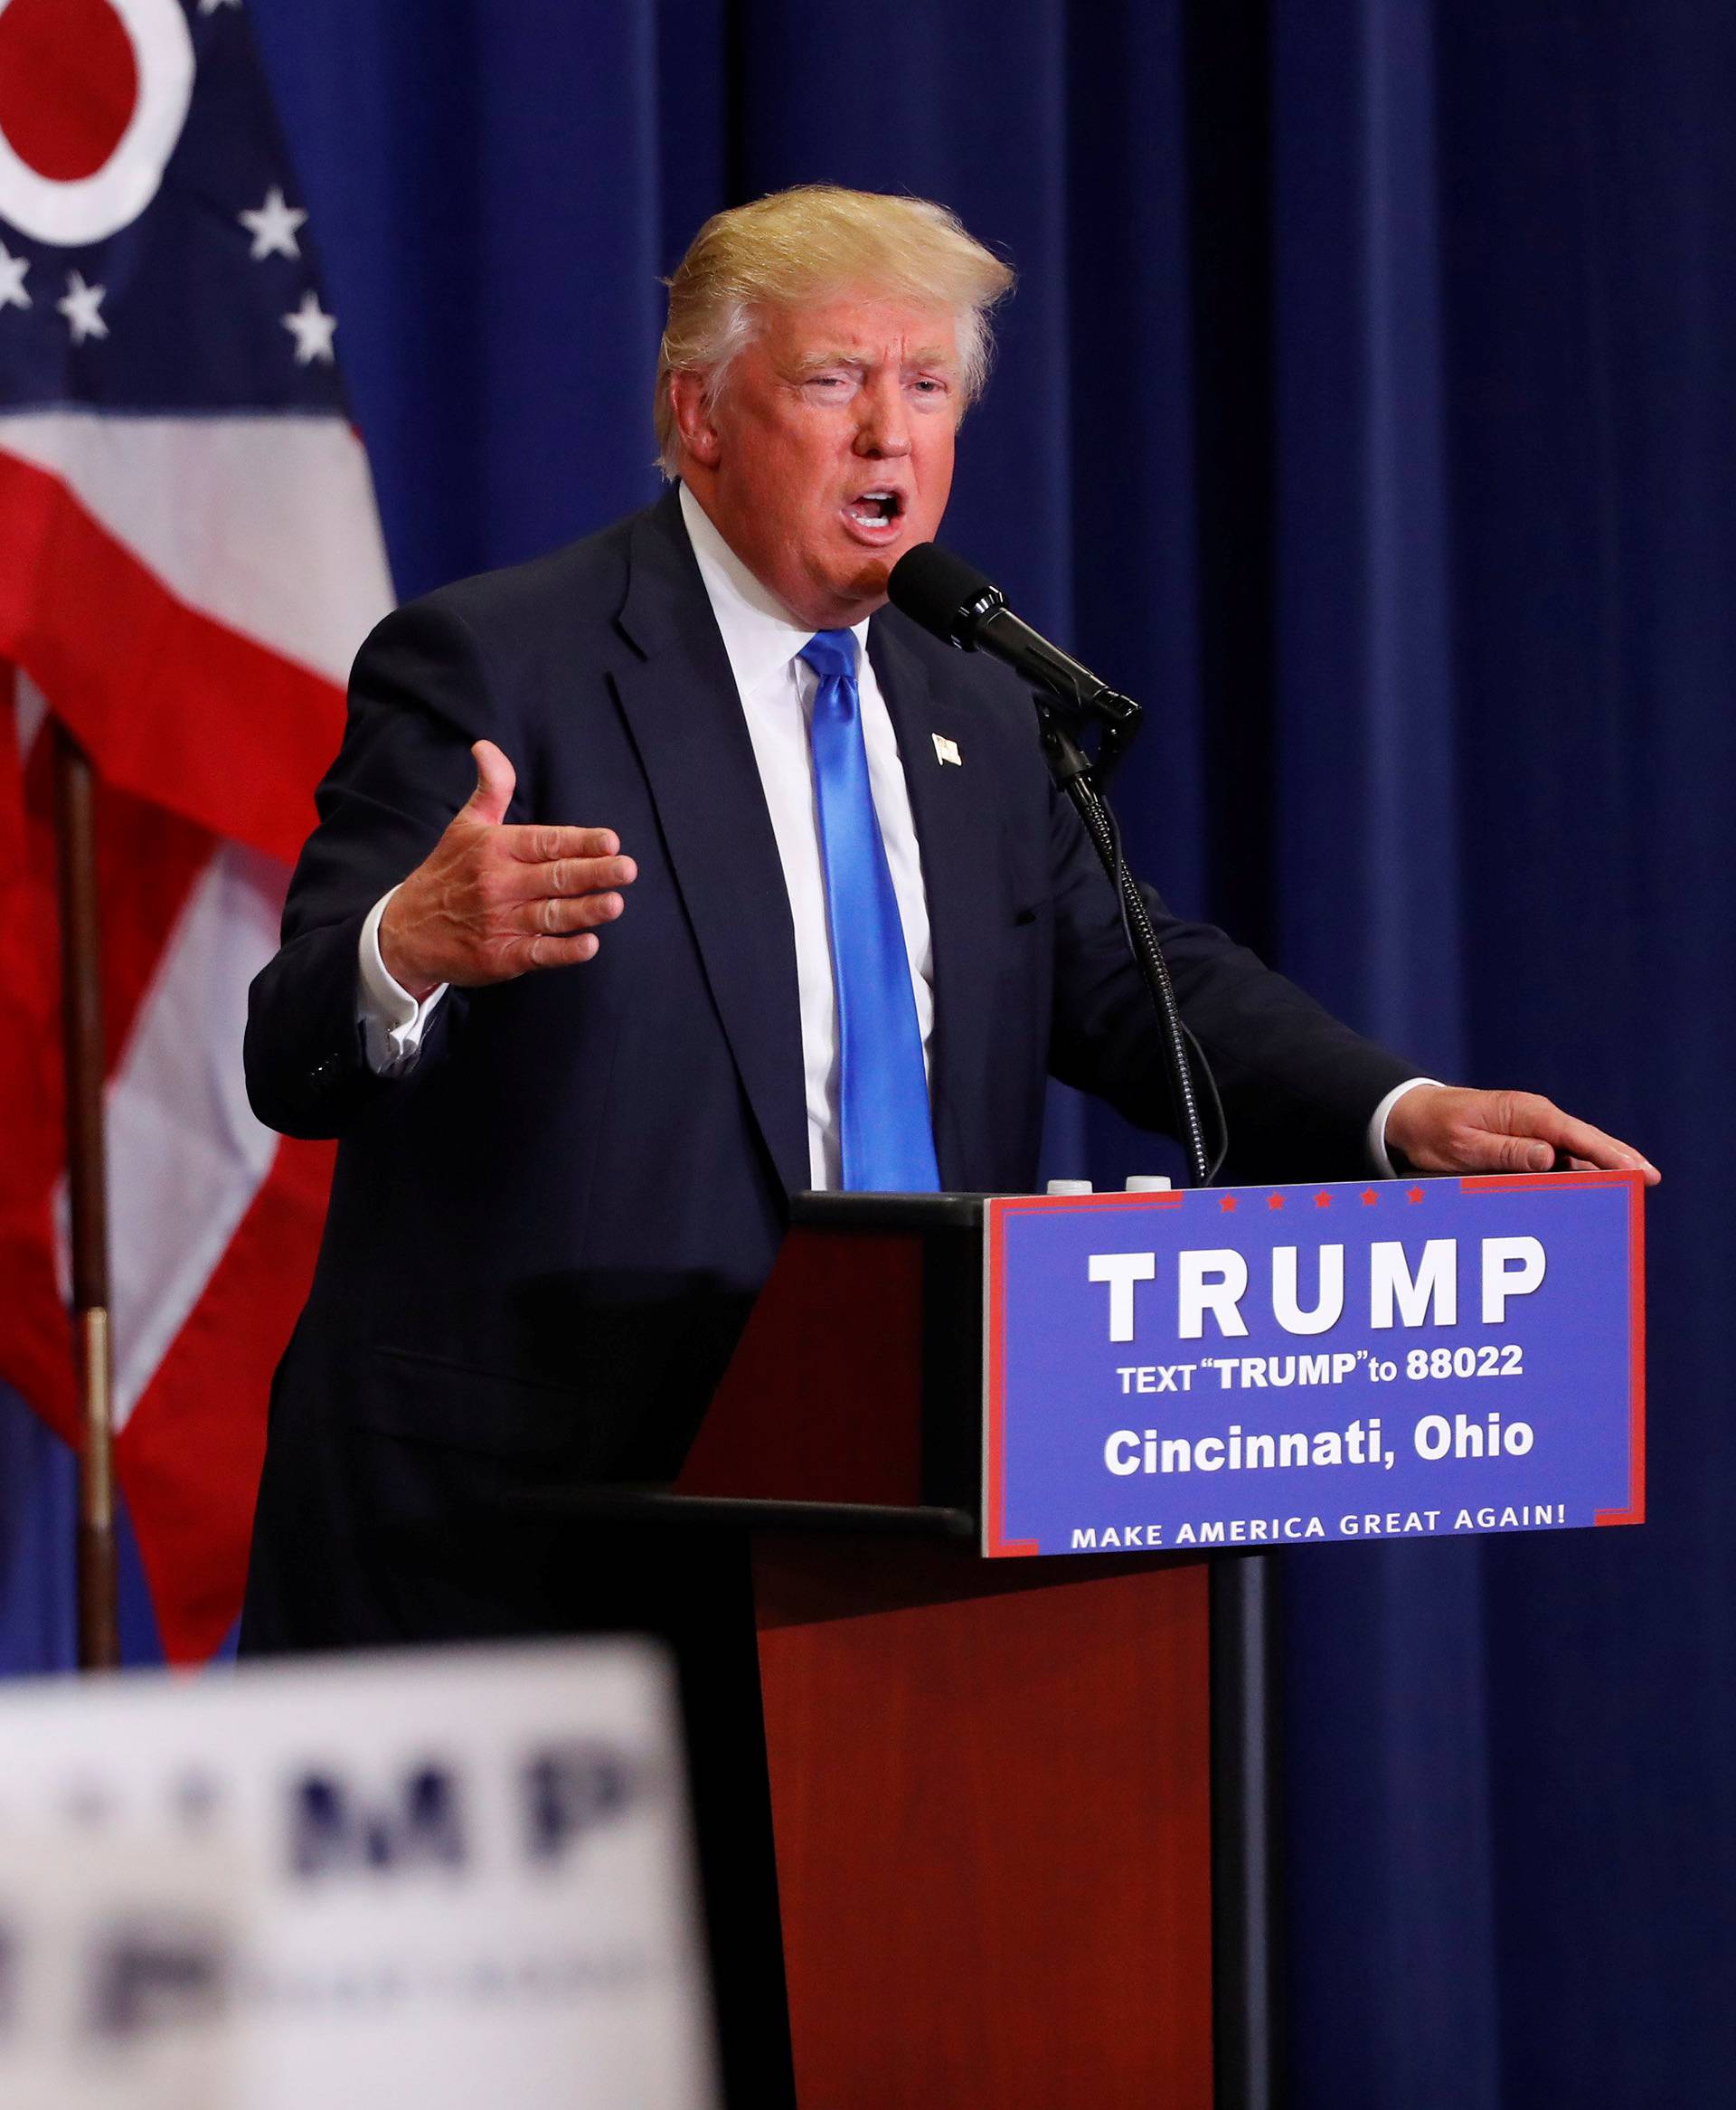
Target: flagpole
column 85, row 1064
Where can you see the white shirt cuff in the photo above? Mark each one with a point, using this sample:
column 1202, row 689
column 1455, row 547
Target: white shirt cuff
column 1377, row 1151
column 390, row 1019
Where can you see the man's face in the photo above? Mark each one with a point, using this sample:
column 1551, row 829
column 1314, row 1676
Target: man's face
column 829, row 453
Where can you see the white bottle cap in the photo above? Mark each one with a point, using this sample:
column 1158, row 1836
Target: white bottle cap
column 1070, row 1186
column 1148, row 1183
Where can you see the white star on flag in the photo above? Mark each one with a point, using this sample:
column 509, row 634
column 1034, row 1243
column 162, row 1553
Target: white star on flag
column 211, row 6
column 312, row 329
column 273, row 226
column 79, row 309
column 12, row 280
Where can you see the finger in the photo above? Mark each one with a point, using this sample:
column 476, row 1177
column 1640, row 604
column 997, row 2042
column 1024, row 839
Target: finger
column 566, row 876
column 539, row 952
column 495, row 783
column 553, row 915
column 545, row 842
column 1579, row 1140
column 1487, row 1150
column 510, row 881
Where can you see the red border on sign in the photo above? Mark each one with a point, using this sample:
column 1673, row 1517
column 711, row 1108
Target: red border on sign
column 1634, row 1182
column 995, row 1546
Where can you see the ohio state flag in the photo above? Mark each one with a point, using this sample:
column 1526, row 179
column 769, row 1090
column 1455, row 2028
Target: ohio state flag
column 189, row 557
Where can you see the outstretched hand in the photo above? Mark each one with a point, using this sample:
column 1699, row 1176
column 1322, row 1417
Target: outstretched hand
column 1437, row 1128
column 491, row 903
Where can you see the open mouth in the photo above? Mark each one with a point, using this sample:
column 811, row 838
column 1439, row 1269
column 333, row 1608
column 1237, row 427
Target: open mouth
column 877, row 512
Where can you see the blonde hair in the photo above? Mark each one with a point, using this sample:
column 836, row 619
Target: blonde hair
column 814, row 243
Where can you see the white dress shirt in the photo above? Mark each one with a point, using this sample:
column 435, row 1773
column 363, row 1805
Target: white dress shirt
column 777, row 690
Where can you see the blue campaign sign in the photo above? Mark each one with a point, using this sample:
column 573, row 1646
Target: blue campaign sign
column 1267, row 1365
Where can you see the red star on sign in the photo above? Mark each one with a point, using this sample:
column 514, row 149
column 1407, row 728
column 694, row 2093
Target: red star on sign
column 1415, row 1194
column 1276, row 1202
column 1322, row 1201
column 1369, row 1198
column 1229, row 1202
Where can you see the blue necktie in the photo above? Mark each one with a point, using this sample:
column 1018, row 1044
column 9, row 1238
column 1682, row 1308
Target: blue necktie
column 886, row 1134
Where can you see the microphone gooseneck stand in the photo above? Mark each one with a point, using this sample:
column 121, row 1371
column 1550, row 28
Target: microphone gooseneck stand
column 1243, row 1592
column 1075, row 773
column 954, row 602
column 1242, row 1620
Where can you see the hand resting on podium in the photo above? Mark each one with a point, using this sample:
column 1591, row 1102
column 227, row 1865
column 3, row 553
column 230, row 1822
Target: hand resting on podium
column 1438, row 1128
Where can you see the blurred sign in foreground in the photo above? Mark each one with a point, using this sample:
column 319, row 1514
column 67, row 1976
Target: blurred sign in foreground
column 448, row 1879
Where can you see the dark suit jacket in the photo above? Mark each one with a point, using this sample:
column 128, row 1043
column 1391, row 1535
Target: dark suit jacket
column 543, row 1241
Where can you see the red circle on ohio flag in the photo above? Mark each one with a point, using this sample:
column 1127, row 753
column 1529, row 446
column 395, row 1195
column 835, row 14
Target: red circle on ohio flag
column 93, row 94
column 68, row 84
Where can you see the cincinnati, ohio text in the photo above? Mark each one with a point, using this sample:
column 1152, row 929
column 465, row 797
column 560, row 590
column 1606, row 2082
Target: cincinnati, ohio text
column 1435, row 1436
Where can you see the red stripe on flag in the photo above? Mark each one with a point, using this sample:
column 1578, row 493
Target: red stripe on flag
column 12, row 782
column 171, row 704
column 35, row 1339
column 35, row 1342
column 189, row 1459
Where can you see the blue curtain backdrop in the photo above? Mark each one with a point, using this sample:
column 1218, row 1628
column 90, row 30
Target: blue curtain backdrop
column 1364, row 409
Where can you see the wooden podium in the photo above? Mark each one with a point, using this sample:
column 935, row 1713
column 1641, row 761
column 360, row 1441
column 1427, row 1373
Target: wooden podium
column 980, row 1825
column 991, row 1781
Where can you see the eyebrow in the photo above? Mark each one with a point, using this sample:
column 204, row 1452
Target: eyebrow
column 927, row 355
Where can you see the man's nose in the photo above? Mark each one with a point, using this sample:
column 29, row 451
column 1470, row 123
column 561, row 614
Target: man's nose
column 884, row 427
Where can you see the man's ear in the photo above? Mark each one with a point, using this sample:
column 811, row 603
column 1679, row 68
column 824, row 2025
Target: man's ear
column 699, row 435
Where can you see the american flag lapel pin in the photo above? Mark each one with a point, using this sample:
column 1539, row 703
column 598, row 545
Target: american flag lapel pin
column 947, row 750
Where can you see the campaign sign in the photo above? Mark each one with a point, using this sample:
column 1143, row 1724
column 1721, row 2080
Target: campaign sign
column 456, row 1878
column 1264, row 1366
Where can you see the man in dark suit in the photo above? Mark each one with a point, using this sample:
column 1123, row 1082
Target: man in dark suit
column 666, row 875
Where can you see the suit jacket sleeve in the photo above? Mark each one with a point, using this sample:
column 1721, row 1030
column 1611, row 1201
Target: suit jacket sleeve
column 419, row 697
column 1298, row 1088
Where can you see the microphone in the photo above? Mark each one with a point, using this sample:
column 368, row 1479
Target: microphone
column 963, row 607
column 958, row 604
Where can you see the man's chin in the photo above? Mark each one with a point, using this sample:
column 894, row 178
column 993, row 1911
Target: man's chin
column 868, row 581
column 848, row 584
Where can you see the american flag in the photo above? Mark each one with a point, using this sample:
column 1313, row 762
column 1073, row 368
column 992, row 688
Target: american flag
column 189, row 556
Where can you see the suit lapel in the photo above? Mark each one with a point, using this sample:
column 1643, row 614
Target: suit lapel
column 955, row 814
column 686, row 718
